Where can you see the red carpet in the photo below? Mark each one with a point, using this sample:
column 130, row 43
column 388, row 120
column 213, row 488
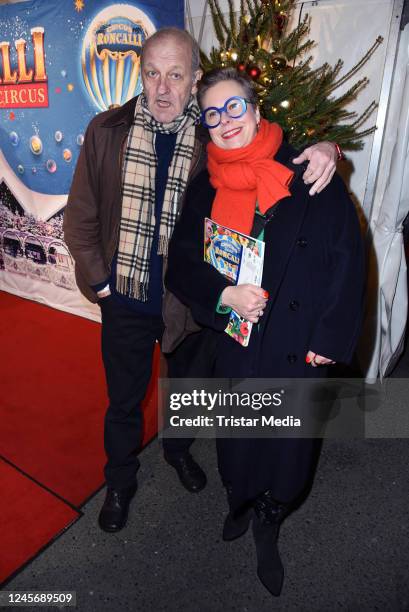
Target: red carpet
column 30, row 517
column 53, row 400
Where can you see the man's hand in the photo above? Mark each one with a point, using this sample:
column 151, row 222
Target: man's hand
column 315, row 360
column 247, row 300
column 322, row 159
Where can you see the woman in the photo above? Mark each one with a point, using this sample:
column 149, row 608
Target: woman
column 306, row 313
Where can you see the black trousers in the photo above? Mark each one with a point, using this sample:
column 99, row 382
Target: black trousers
column 128, row 342
column 193, row 358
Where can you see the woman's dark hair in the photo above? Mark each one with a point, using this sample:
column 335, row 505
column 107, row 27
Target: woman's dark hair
column 217, row 75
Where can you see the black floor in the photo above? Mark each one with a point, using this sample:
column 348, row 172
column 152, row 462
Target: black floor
column 346, row 548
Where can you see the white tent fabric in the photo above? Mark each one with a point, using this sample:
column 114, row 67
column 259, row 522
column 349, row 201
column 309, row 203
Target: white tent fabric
column 387, row 264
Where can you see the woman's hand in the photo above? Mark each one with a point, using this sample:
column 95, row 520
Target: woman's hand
column 247, row 300
column 315, row 360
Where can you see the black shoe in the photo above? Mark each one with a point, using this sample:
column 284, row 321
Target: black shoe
column 114, row 512
column 190, row 473
column 236, row 525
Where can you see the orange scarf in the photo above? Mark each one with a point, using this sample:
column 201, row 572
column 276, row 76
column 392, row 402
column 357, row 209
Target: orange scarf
column 247, row 175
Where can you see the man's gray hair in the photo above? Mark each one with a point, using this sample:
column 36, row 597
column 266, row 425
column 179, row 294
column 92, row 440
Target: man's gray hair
column 179, row 35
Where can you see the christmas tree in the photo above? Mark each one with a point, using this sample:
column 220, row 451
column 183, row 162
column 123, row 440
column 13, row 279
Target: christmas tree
column 291, row 93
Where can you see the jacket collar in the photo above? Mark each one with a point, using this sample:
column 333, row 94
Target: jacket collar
column 122, row 115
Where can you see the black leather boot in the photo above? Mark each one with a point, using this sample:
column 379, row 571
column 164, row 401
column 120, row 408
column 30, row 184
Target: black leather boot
column 268, row 515
column 236, row 523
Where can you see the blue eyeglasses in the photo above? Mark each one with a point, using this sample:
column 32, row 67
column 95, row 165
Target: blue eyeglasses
column 234, row 108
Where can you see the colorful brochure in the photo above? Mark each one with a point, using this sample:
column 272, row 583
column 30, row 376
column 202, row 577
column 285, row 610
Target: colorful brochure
column 238, row 257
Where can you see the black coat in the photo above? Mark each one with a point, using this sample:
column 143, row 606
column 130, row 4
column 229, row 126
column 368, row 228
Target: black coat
column 314, row 273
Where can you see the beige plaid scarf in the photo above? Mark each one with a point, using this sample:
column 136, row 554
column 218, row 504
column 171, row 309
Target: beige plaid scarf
column 138, row 194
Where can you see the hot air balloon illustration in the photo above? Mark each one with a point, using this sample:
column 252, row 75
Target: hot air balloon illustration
column 110, row 56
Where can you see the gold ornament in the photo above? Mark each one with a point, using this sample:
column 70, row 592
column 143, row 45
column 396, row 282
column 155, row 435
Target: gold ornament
column 234, row 54
column 260, row 89
column 223, row 56
column 274, row 109
column 278, row 61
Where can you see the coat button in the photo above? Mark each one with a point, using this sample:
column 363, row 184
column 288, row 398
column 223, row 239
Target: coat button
column 294, row 305
column 291, row 358
column 302, row 242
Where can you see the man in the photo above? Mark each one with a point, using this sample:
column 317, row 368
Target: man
column 127, row 190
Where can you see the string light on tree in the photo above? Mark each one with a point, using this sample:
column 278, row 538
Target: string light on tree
column 285, row 104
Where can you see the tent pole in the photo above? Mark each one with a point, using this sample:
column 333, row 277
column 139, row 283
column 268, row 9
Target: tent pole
column 202, row 23
column 188, row 12
column 391, row 53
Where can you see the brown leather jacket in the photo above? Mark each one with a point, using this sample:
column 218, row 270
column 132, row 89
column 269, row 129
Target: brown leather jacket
column 93, row 212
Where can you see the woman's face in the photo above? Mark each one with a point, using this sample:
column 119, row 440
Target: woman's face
column 231, row 133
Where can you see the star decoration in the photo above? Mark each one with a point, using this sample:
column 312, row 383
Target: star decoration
column 79, row 5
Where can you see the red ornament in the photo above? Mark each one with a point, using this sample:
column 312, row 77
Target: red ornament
column 253, row 71
column 241, row 67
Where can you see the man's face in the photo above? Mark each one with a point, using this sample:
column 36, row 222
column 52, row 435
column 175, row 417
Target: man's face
column 167, row 78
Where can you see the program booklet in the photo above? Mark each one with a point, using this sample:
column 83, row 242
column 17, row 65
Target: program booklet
column 238, row 257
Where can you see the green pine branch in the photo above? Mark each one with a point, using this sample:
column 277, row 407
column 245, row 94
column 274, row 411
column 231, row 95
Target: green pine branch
column 301, row 99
